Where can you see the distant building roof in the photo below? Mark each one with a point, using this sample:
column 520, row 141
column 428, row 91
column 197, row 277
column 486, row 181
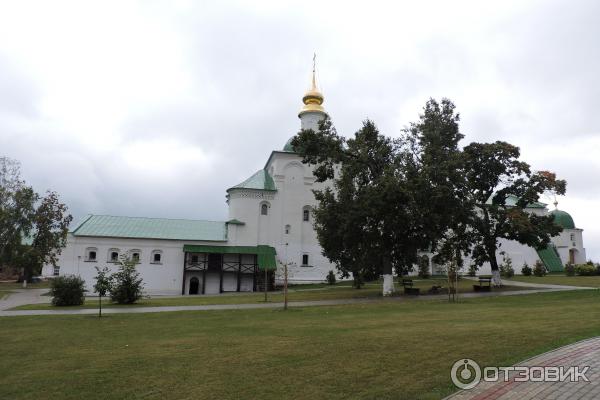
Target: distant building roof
column 151, row 228
column 261, row 180
column 563, row 219
column 511, row 201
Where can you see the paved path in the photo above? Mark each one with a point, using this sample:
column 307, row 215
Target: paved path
column 137, row 310
column 581, row 354
column 20, row 297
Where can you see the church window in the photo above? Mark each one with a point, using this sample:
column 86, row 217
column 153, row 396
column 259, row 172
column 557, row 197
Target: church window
column 287, row 229
column 305, row 260
column 56, row 271
column 156, row 257
column 264, row 209
column 572, row 237
column 90, row 254
column 194, row 259
column 135, row 255
column 305, row 214
column 113, row 255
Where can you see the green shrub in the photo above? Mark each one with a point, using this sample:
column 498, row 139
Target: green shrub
column 539, row 269
column 526, row 270
column 506, row 269
column 424, row 267
column 67, row 290
column 472, row 270
column 570, row 269
column 331, row 277
column 126, row 286
column 585, row 270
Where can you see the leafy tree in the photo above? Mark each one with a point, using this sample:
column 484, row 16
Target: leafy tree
column 494, row 175
column 102, row 286
column 365, row 220
column 126, row 285
column 33, row 229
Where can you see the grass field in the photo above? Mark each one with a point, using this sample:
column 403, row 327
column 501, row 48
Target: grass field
column 298, row 293
column 387, row 350
column 15, row 285
column 560, row 279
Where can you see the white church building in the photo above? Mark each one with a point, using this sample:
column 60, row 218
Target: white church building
column 269, row 223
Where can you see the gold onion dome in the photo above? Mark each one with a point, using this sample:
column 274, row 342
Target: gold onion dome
column 313, row 98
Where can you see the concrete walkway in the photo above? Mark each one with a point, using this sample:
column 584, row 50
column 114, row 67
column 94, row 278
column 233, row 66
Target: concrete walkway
column 20, row 297
column 138, row 310
column 581, row 354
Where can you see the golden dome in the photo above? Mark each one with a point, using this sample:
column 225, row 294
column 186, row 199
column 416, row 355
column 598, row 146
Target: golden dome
column 313, row 98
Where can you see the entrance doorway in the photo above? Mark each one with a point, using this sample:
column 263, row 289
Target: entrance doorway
column 194, row 285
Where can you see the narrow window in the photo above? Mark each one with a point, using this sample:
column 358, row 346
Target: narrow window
column 114, row 256
column 56, row 270
column 305, row 215
column 264, row 209
column 156, row 257
column 92, row 255
column 135, row 257
column 195, row 259
column 287, row 229
column 572, row 237
column 304, row 259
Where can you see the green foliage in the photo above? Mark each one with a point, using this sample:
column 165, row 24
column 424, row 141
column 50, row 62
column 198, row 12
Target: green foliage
column 472, row 270
column 526, row 270
column 126, row 285
column 331, row 278
column 539, row 269
column 506, row 269
column 67, row 290
column 424, row 267
column 569, row 269
column 25, row 216
column 585, row 270
column 103, row 284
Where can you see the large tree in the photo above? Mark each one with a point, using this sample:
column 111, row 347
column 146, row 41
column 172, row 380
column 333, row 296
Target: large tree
column 365, row 220
column 495, row 177
column 33, row 228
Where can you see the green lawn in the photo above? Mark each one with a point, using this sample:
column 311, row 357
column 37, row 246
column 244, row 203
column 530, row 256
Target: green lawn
column 298, row 293
column 560, row 279
column 387, row 350
column 4, row 293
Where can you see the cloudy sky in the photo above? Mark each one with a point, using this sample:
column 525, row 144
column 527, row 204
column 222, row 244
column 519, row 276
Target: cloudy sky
column 154, row 108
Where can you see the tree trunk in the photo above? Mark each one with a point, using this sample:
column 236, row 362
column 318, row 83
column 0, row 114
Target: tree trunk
column 496, row 279
column 388, row 277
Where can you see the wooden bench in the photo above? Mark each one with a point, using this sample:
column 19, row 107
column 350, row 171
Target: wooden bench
column 485, row 284
column 408, row 287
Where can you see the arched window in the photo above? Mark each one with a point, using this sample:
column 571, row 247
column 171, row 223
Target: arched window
column 91, row 254
column 113, row 255
column 135, row 255
column 156, row 257
column 306, row 213
column 264, row 208
column 288, row 229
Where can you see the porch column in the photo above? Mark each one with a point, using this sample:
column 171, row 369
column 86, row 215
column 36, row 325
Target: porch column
column 239, row 273
column 184, row 271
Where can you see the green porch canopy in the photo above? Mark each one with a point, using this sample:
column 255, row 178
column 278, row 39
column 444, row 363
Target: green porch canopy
column 265, row 254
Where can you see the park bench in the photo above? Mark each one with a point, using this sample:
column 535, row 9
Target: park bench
column 485, row 284
column 408, row 287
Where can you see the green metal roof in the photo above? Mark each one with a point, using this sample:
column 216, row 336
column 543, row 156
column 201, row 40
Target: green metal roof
column 551, row 259
column 266, row 254
column 511, row 201
column 288, row 146
column 261, row 180
column 151, row 228
column 563, row 219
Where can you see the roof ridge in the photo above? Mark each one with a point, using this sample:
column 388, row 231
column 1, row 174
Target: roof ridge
column 149, row 218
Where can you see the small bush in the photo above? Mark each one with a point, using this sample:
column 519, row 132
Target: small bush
column 424, row 267
column 126, row 285
column 526, row 270
column 331, row 278
column 506, row 269
column 472, row 270
column 570, row 269
column 539, row 269
column 67, row 290
column 585, row 270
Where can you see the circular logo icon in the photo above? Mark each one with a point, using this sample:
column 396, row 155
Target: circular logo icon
column 465, row 373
